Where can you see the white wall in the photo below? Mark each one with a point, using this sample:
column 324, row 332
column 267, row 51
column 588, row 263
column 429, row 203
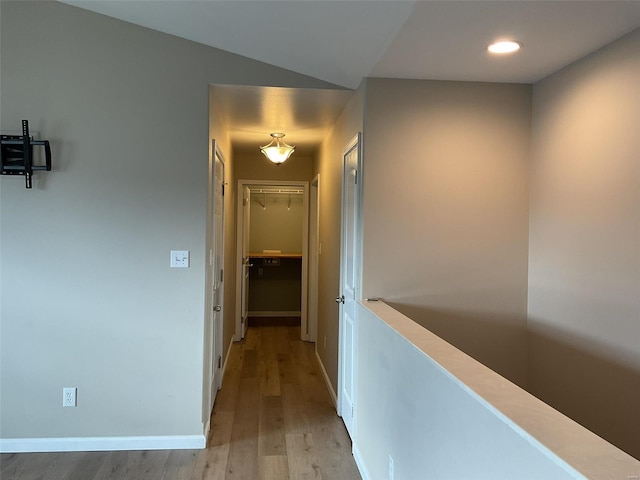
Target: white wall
column 88, row 299
column 584, row 267
column 434, row 425
column 446, row 211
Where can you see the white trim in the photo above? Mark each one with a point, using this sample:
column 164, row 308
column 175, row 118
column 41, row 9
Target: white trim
column 276, row 313
column 102, row 444
column 304, row 301
column 238, row 333
column 360, row 463
column 332, row 392
column 304, row 323
column 314, row 260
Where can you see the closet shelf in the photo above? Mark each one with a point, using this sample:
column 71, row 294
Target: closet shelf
column 275, row 255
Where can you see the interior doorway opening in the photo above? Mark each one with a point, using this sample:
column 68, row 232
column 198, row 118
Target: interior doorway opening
column 273, row 253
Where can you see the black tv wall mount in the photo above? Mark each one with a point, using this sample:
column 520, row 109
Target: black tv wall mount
column 16, row 154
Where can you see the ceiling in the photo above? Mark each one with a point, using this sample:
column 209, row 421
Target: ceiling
column 304, row 115
column 343, row 41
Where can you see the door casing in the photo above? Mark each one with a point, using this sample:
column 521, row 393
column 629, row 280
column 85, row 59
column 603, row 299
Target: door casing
column 304, row 330
column 314, row 254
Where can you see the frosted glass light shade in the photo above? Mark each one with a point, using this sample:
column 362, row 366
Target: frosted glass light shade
column 277, row 151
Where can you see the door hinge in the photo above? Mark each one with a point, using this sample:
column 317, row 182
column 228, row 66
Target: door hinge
column 223, row 189
column 221, row 276
column 352, row 407
column 356, row 177
column 219, row 362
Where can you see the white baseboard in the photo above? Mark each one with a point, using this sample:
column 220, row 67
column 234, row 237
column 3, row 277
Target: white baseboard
column 100, row 444
column 360, row 464
column 332, row 392
column 282, row 313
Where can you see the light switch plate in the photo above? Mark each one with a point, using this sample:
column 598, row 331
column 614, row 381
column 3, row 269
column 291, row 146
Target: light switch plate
column 179, row 258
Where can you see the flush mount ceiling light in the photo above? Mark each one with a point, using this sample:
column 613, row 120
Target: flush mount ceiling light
column 277, row 151
column 504, row 46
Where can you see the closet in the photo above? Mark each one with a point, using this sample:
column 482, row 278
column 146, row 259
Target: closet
column 275, row 253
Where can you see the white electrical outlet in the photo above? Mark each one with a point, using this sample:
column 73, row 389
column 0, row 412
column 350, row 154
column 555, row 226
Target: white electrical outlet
column 69, row 397
column 391, row 473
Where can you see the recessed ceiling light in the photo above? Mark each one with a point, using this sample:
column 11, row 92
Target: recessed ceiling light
column 504, row 46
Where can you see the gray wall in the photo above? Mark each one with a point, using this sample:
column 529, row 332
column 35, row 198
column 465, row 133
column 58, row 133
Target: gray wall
column 584, row 268
column 88, row 299
column 446, row 211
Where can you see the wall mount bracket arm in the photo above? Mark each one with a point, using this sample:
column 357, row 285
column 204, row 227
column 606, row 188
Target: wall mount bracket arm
column 16, row 154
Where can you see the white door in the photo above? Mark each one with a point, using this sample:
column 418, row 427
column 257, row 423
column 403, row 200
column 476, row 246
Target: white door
column 213, row 328
column 349, row 281
column 246, row 261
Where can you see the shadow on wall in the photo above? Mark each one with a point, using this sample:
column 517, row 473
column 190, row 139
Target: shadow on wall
column 497, row 341
column 598, row 393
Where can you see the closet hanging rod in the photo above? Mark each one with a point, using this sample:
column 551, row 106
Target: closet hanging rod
column 276, row 191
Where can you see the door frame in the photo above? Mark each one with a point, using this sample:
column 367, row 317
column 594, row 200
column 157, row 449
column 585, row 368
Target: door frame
column 355, row 142
column 213, row 343
column 304, row 185
column 314, row 254
column 241, row 296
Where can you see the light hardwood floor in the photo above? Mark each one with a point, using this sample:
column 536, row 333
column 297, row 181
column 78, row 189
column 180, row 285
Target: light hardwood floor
column 273, row 420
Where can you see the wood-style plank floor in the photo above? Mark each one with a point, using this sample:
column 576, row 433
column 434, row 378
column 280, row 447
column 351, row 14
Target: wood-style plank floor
column 272, row 420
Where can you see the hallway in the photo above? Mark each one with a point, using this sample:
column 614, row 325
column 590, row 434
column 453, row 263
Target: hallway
column 273, row 420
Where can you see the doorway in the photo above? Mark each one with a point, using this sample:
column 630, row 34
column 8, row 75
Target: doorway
column 273, row 249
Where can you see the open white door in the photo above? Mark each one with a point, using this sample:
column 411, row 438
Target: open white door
column 215, row 281
column 349, row 282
